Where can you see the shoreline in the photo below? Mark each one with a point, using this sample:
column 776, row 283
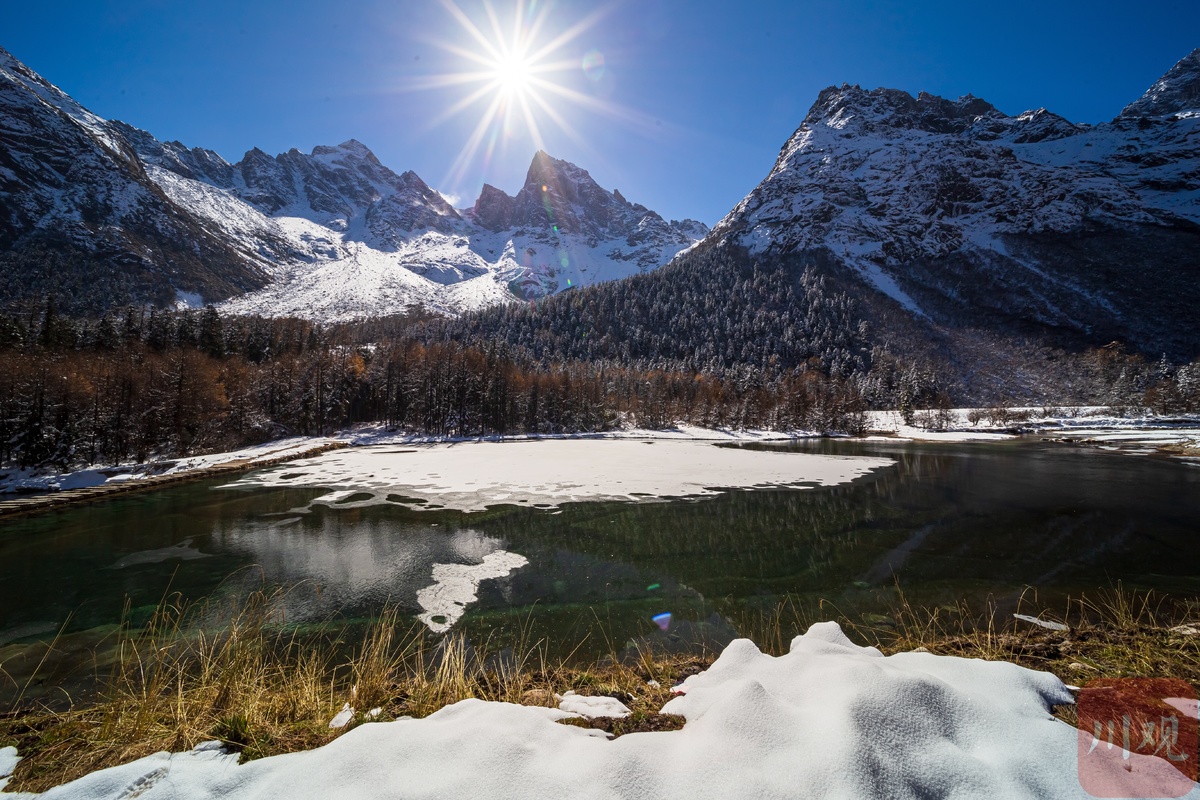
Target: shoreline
column 13, row 504
column 1178, row 438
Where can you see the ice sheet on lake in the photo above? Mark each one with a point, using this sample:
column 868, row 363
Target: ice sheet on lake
column 331, row 568
column 472, row 476
column 456, row 586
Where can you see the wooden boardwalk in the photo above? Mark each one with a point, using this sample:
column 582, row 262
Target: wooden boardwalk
column 14, row 505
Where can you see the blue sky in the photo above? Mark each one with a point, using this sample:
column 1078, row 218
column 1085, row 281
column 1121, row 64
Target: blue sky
column 686, row 116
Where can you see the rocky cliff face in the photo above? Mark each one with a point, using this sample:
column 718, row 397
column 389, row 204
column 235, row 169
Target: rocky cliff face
column 559, row 199
column 1176, row 92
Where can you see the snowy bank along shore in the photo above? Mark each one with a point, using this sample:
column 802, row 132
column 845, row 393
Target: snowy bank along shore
column 1179, row 436
column 829, row 719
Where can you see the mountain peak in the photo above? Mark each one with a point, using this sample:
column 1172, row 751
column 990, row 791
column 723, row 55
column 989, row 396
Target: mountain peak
column 352, row 147
column 494, row 208
column 852, row 106
column 546, row 170
column 172, row 219
column 1178, row 90
column 11, row 63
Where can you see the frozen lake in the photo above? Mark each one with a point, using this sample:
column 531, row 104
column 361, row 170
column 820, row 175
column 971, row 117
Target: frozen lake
column 574, row 541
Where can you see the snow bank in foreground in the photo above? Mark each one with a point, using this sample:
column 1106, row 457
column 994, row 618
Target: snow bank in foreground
column 471, row 476
column 8, row 762
column 829, row 719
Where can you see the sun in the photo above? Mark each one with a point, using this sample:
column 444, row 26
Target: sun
column 513, row 73
column 518, row 74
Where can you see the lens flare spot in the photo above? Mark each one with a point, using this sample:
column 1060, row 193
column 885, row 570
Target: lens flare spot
column 593, row 65
column 663, row 621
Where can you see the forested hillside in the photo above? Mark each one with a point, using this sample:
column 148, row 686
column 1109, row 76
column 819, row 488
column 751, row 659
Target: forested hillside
column 154, row 384
column 709, row 311
column 717, row 310
column 151, row 384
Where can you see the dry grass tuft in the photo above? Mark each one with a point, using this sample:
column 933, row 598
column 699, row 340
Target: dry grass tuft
column 237, row 674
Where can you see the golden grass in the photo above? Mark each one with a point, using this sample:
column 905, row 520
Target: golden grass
column 236, row 673
column 1111, row 632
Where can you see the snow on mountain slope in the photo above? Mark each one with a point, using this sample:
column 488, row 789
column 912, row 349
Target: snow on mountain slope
column 80, row 218
column 956, row 212
column 15, row 72
column 1177, row 91
column 333, row 234
column 346, row 237
column 880, row 193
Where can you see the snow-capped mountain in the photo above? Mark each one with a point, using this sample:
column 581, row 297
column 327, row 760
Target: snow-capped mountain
column 361, row 240
column 331, row 235
column 953, row 213
column 81, row 218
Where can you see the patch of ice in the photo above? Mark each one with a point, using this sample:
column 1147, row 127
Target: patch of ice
column 41, row 480
column 922, row 435
column 183, row 551
column 343, row 717
column 347, row 572
column 456, row 586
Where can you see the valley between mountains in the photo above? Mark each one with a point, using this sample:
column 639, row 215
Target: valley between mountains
column 918, row 246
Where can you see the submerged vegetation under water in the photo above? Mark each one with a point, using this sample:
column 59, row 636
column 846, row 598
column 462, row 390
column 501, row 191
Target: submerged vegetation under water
column 236, row 672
